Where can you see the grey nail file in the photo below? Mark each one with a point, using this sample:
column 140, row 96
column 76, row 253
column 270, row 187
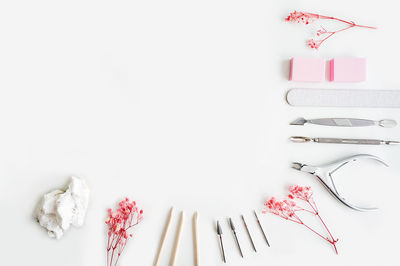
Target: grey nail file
column 344, row 98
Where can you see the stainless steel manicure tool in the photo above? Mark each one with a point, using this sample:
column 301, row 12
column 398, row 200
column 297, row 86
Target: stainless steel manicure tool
column 324, row 174
column 234, row 234
column 248, row 233
column 219, row 232
column 345, row 122
column 300, row 139
column 261, row 228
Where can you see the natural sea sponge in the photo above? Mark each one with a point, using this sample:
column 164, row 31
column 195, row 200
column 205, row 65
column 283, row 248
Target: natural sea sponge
column 60, row 208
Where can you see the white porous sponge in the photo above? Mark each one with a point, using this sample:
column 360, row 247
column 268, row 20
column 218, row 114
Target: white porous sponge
column 59, row 209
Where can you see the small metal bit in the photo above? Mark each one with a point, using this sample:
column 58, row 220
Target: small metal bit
column 234, row 233
column 219, row 232
column 248, row 233
column 262, row 230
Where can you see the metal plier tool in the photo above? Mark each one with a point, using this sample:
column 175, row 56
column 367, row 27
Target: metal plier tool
column 324, row 174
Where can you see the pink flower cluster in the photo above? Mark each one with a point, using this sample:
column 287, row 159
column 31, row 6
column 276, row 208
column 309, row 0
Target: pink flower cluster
column 285, row 208
column 298, row 192
column 302, row 17
column 119, row 223
column 289, row 210
column 307, row 18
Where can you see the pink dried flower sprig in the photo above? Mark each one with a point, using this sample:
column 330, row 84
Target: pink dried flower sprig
column 289, row 210
column 120, row 223
column 302, row 17
column 307, row 18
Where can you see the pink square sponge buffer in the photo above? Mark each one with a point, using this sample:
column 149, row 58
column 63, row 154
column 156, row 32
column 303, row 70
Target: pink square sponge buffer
column 349, row 69
column 307, row 69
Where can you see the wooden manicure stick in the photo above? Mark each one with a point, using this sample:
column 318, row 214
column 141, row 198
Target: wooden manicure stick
column 177, row 240
column 164, row 236
column 196, row 239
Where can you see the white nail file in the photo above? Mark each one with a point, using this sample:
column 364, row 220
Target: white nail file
column 344, row 98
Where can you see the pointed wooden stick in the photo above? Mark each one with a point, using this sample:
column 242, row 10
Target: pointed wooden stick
column 177, row 240
column 163, row 237
column 196, row 239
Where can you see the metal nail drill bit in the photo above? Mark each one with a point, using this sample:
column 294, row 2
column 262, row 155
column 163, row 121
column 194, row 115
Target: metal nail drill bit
column 219, row 232
column 262, row 230
column 248, row 233
column 234, row 233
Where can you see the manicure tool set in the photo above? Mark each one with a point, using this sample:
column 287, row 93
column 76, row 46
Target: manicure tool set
column 341, row 70
column 303, row 69
column 349, row 69
column 344, row 70
column 307, row 70
column 196, row 247
column 235, row 237
column 324, row 173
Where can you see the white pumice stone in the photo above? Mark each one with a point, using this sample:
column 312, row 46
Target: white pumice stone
column 60, row 208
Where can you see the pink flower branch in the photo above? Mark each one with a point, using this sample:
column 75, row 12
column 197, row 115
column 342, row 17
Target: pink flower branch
column 127, row 216
column 307, row 18
column 289, row 210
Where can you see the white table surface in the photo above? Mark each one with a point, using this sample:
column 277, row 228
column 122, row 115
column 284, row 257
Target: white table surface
column 181, row 103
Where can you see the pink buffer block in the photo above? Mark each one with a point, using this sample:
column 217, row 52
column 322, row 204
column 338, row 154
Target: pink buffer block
column 307, row 69
column 349, row 69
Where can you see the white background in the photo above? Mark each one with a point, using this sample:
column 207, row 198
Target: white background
column 181, row 103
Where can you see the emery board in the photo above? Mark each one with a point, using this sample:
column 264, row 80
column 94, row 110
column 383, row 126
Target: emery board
column 344, row 98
